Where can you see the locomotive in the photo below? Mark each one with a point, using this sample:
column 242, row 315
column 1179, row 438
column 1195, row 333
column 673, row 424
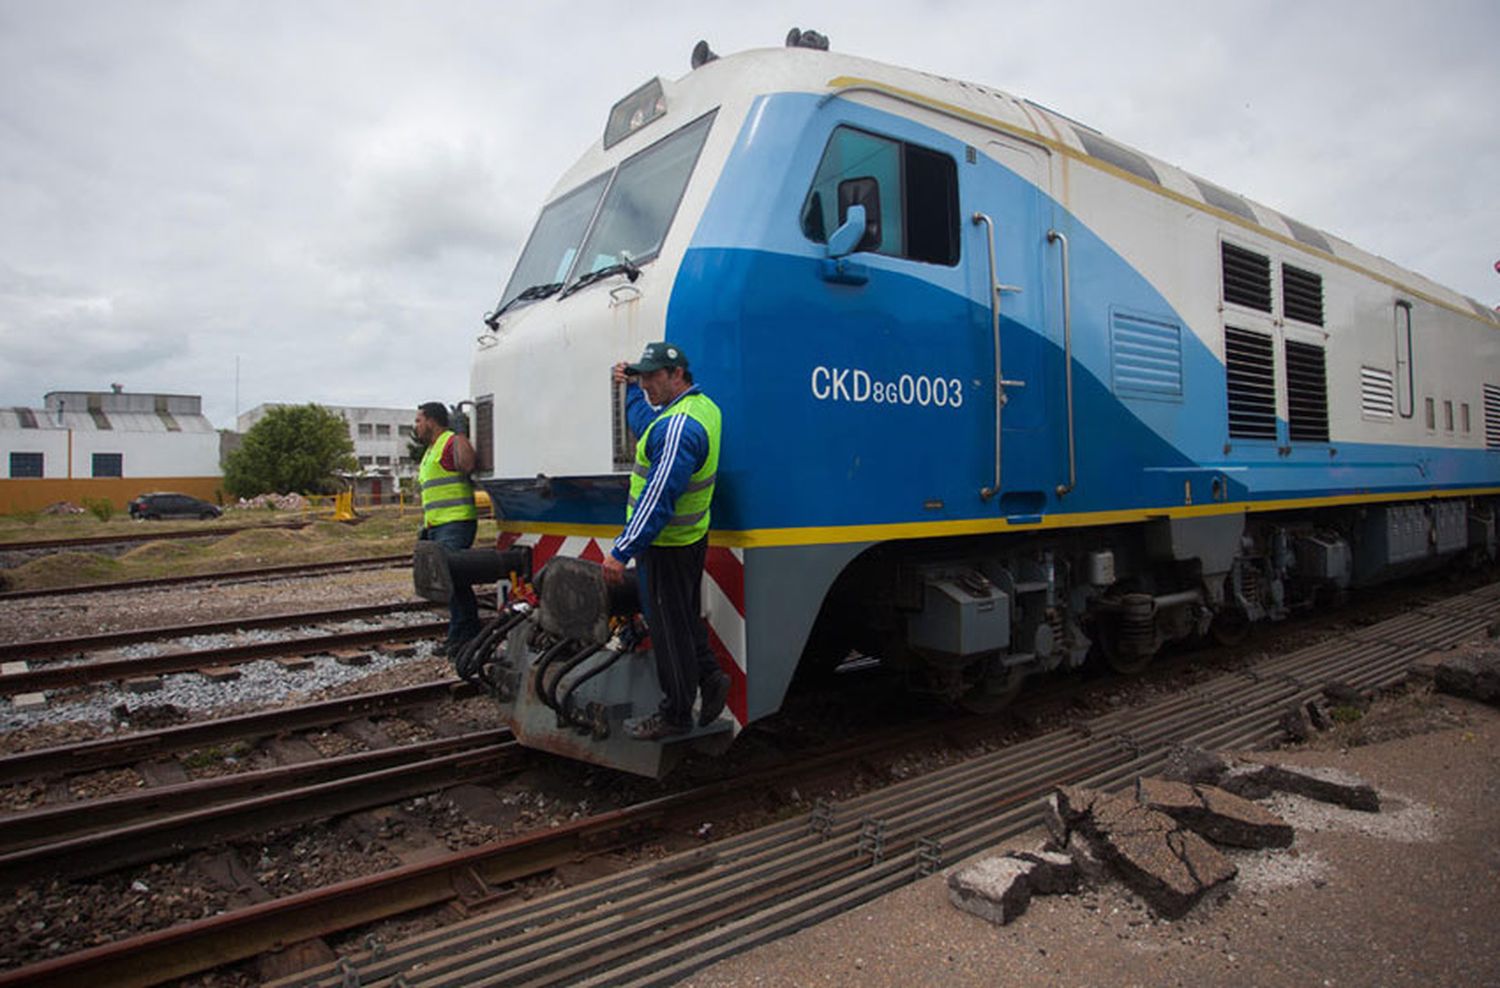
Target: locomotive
column 999, row 393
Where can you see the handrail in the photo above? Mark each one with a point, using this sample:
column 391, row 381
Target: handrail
column 985, row 493
column 1055, row 236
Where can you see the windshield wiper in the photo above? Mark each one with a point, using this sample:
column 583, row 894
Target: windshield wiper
column 527, row 295
column 625, row 267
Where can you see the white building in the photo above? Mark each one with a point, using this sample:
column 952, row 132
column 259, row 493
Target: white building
column 115, row 440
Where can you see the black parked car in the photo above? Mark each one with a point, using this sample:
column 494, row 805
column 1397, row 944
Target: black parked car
column 168, row 505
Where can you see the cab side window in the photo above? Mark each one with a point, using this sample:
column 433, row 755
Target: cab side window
column 915, row 193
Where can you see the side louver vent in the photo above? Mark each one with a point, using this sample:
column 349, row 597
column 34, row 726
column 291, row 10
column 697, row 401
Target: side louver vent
column 1302, row 295
column 1250, row 378
column 484, row 435
column 1147, row 356
column 1247, row 278
column 1377, row 393
column 1491, row 416
column 1306, row 393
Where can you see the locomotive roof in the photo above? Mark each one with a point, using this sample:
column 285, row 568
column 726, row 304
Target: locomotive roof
column 748, row 74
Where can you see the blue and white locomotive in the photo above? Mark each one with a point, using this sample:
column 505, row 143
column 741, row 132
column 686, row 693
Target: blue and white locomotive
column 997, row 391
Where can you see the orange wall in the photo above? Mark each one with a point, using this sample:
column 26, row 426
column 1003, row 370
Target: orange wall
column 35, row 493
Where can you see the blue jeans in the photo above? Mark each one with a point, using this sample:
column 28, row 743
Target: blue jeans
column 463, row 609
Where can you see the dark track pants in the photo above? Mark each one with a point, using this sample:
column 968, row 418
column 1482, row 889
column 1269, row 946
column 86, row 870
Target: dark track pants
column 671, row 581
column 463, row 607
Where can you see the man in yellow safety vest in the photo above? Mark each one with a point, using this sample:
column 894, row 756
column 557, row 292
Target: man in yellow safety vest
column 666, row 531
column 449, row 517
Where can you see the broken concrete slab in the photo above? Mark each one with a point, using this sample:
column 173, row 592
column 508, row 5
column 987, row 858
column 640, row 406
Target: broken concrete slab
column 1192, row 764
column 1295, row 722
column 1169, row 866
column 1471, row 675
column 1220, row 816
column 1054, row 873
column 997, row 889
column 1327, row 785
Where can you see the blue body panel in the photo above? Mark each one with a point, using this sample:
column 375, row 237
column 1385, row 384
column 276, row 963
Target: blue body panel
column 797, row 363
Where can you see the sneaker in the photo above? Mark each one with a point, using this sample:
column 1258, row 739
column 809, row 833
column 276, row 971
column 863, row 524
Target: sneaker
column 713, row 693
column 654, row 727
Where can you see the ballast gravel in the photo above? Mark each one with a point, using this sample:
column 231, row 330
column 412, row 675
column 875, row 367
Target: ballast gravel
column 261, row 683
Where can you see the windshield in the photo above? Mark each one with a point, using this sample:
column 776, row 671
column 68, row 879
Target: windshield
column 642, row 200
column 631, row 223
column 554, row 243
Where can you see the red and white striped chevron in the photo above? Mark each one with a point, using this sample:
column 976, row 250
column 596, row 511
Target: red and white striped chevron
column 723, row 598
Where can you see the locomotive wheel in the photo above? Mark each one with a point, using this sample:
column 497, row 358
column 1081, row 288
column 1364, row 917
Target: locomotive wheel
column 1230, row 626
column 1107, row 645
column 987, row 697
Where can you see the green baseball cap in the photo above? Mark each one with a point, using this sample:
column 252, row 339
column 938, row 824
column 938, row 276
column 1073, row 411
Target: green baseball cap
column 657, row 356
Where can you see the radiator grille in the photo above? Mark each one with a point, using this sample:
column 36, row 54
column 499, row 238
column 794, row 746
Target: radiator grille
column 1377, row 393
column 1306, row 393
column 1302, row 295
column 1250, row 379
column 484, row 435
column 1147, row 356
column 1491, row 416
column 1247, row 277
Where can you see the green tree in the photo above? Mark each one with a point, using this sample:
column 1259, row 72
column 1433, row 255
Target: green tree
column 297, row 448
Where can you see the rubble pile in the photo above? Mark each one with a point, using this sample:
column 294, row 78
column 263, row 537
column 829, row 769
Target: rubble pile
column 1161, row 837
column 275, row 502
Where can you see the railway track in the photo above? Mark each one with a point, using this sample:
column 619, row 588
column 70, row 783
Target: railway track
column 140, row 746
column 115, row 670
column 657, row 924
column 45, row 647
column 223, row 578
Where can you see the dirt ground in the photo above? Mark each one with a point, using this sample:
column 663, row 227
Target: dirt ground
column 1408, row 896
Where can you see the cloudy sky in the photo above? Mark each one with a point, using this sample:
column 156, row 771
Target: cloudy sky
column 328, row 194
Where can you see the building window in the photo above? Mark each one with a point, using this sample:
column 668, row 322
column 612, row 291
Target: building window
column 26, row 464
column 366, row 430
column 365, row 461
column 109, row 464
column 382, row 430
column 406, row 431
column 383, row 461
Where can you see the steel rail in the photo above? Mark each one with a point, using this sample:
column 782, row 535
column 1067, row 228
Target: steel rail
column 107, row 670
column 51, row 824
column 229, row 576
column 45, row 647
column 142, row 745
column 155, row 839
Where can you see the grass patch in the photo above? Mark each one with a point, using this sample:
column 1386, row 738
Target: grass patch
column 380, row 534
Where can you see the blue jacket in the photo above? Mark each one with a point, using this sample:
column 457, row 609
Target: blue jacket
column 680, row 459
